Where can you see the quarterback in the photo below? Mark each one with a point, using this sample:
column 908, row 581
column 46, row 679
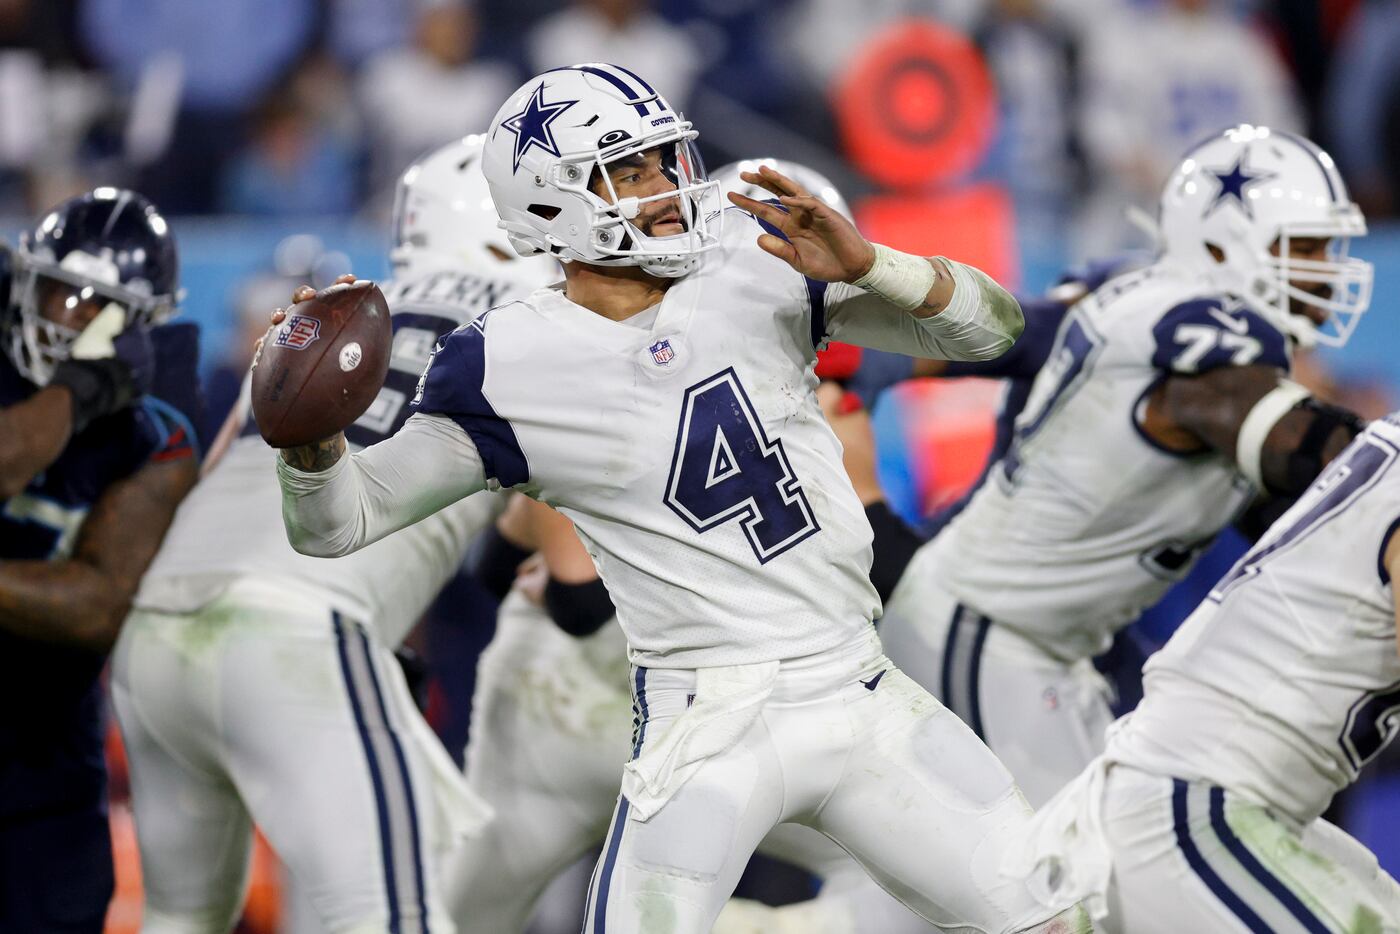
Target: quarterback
column 663, row 399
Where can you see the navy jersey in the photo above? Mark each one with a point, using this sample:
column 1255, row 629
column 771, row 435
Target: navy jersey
column 50, row 728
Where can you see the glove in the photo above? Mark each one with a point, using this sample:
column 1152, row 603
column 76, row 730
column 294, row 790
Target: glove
column 108, row 367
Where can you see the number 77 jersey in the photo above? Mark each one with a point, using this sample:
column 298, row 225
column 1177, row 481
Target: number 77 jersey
column 1086, row 521
column 687, row 446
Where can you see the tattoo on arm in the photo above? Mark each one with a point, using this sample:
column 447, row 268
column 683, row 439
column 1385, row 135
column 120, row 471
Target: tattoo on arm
column 314, row 458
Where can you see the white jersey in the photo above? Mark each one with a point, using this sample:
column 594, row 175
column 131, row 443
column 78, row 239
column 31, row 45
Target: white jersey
column 687, row 446
column 1086, row 521
column 230, row 526
column 1286, row 680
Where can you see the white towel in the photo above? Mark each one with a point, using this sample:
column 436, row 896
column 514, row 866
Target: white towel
column 727, row 701
column 1062, row 856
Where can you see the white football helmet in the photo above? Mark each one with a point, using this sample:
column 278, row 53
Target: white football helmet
column 444, row 219
column 1250, row 189
column 554, row 137
column 810, row 179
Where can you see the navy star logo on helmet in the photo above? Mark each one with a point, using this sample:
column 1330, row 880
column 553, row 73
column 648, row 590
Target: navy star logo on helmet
column 1233, row 181
column 531, row 125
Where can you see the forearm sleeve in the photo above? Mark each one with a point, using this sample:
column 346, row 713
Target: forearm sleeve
column 430, row 463
column 981, row 321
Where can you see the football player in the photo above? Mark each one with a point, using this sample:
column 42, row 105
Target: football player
column 257, row 686
column 552, row 712
column 1164, row 409
column 92, row 468
column 663, row 400
column 1204, row 813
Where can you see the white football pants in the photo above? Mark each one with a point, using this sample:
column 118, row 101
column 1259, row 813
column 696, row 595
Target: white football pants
column 268, row 708
column 1190, row 856
column 845, row 743
column 1043, row 718
column 551, row 726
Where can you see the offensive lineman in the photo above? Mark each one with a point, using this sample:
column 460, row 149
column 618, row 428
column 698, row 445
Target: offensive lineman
column 257, row 685
column 1163, row 411
column 91, row 471
column 663, row 401
column 1204, row 812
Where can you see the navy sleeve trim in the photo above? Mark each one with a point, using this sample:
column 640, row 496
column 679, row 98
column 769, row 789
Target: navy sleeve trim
column 1380, row 558
column 1204, row 334
column 816, row 289
column 452, row 386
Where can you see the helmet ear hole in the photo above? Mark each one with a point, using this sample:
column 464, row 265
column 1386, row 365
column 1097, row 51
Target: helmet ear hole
column 1216, row 251
column 548, row 211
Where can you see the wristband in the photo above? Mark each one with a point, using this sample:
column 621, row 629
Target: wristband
column 901, row 279
column 1273, row 406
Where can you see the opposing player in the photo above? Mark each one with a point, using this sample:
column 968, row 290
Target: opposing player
column 91, row 471
column 254, row 685
column 1204, row 812
column 677, row 428
column 1164, row 410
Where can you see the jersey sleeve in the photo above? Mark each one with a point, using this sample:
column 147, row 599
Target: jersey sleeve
column 175, row 404
column 1028, row 354
column 1202, row 335
column 453, row 385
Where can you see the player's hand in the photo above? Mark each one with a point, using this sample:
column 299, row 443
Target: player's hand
column 300, row 294
column 109, row 366
column 821, row 244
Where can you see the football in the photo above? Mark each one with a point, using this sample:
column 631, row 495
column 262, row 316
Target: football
column 323, row 365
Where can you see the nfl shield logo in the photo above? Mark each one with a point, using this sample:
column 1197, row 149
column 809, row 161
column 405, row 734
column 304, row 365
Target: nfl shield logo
column 298, row 332
column 662, row 353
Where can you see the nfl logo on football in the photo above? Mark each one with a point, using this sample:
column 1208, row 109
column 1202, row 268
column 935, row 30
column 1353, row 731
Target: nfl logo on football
column 662, row 353
column 299, row 332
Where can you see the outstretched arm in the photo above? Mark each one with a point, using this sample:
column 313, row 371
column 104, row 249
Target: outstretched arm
column 334, row 504
column 933, row 307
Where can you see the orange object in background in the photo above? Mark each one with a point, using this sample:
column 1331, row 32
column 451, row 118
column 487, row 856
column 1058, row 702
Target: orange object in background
column 949, row 426
column 916, row 106
column 973, row 224
column 262, row 911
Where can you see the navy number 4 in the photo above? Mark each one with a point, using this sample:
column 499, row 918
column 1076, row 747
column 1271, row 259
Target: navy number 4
column 725, row 468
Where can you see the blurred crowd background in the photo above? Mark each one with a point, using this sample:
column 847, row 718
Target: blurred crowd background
column 1020, row 135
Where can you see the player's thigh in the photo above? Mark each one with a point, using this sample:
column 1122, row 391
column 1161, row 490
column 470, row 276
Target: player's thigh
column 1190, row 856
column 1043, row 718
column 674, row 870
column 331, row 768
column 928, row 810
column 192, row 831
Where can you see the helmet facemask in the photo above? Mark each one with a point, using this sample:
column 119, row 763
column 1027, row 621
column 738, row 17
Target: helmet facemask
column 614, row 239
column 36, row 344
column 1346, row 282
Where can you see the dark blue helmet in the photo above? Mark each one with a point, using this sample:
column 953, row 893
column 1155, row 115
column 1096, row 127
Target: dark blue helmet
column 107, row 246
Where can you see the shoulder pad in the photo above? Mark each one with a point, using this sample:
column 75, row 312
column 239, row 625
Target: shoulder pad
column 1207, row 333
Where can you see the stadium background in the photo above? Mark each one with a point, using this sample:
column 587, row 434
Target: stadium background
column 1010, row 133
